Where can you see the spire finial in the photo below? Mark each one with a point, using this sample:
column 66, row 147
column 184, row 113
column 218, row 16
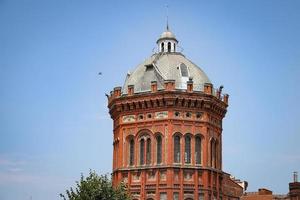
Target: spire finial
column 167, row 7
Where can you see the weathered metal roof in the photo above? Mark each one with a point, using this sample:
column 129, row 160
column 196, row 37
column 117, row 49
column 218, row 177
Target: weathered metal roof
column 165, row 66
column 167, row 35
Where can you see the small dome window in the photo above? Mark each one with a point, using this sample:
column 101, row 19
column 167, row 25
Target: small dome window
column 184, row 70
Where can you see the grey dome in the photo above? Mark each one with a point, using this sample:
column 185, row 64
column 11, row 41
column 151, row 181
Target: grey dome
column 167, row 35
column 165, row 66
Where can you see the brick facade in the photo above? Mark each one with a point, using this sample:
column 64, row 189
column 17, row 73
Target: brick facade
column 191, row 117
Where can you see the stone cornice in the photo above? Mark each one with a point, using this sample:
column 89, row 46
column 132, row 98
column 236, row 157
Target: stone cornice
column 167, row 99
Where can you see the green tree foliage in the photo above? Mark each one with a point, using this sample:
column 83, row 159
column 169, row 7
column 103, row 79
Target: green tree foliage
column 95, row 187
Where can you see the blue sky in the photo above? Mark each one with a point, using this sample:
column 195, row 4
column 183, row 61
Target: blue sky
column 54, row 123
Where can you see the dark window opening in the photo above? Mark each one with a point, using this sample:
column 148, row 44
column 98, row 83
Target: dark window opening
column 198, row 150
column 212, row 153
column 199, row 115
column 216, row 155
column 142, row 150
column 176, row 149
column 148, row 151
column 158, row 149
column 131, row 152
column 188, row 114
column 187, row 151
column 162, row 47
column 169, row 46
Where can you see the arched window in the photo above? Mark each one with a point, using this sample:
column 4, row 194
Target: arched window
column 187, row 149
column 177, row 149
column 169, row 46
column 158, row 149
column 198, row 149
column 174, row 47
column 131, row 152
column 142, row 150
column 212, row 153
column 162, row 47
column 216, row 154
column 148, row 151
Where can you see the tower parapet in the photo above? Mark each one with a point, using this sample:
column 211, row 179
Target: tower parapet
column 169, row 85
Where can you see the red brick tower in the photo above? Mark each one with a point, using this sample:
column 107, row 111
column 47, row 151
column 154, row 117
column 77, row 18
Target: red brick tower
column 294, row 187
column 168, row 129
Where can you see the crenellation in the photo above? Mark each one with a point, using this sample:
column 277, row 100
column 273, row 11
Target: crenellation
column 130, row 90
column 153, row 86
column 117, row 91
column 208, row 88
column 190, row 85
column 169, row 85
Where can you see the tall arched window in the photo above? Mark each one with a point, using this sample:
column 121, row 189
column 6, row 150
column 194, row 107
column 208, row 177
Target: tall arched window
column 198, row 149
column 187, row 149
column 169, row 46
column 162, row 47
column 142, row 150
column 158, row 149
column 131, row 152
column 212, row 153
column 148, row 151
column 216, row 154
column 174, row 47
column 177, row 149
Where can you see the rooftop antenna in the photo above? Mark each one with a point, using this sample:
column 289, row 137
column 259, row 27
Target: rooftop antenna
column 295, row 177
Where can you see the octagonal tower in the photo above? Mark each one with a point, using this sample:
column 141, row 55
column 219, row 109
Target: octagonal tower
column 167, row 129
